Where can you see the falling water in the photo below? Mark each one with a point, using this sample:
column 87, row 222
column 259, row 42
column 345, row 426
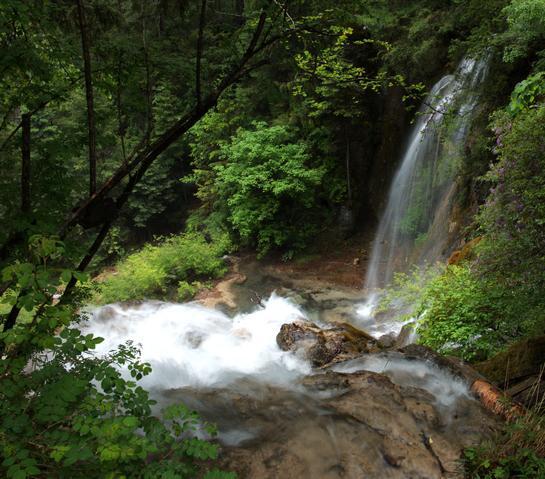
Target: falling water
column 414, row 227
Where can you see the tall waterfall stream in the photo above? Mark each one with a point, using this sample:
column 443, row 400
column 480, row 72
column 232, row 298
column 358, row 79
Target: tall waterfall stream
column 386, row 414
column 414, row 228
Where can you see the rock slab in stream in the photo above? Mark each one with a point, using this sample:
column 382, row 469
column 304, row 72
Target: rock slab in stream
column 323, row 346
column 360, row 425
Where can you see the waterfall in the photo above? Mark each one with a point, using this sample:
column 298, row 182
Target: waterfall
column 414, row 227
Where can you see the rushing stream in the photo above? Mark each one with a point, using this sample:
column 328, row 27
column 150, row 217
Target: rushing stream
column 192, row 346
column 373, row 416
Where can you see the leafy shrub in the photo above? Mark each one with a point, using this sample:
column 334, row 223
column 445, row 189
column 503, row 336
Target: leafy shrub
column 154, row 270
column 186, row 290
column 527, row 93
column 526, row 25
column 513, row 218
column 66, row 413
column 459, row 312
column 267, row 188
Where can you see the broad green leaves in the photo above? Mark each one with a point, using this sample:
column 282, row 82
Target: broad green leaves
column 269, row 186
column 527, row 94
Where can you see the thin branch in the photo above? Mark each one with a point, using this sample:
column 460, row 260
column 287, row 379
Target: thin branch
column 143, row 160
column 171, row 135
column 284, row 9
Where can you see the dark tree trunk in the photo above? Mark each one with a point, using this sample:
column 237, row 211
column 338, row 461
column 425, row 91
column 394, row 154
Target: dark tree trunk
column 198, row 87
column 89, row 97
column 25, row 164
column 239, row 10
column 144, row 159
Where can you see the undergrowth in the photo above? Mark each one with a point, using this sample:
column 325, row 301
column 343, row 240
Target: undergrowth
column 177, row 267
column 517, row 451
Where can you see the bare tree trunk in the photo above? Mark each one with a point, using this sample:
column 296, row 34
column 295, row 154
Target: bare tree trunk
column 149, row 86
column 348, row 182
column 151, row 152
column 89, row 97
column 25, row 164
column 198, row 87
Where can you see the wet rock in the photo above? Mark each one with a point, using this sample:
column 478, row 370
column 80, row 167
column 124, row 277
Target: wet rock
column 322, row 346
column 522, row 359
column 404, row 337
column 417, row 351
column 366, row 426
column 465, row 253
column 292, row 295
column 387, row 341
column 338, row 314
column 519, row 370
column 106, row 313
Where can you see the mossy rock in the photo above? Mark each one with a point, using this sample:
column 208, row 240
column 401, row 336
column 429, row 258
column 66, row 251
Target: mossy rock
column 522, row 359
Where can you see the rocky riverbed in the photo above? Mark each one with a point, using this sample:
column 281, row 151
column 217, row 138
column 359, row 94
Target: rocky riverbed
column 296, row 387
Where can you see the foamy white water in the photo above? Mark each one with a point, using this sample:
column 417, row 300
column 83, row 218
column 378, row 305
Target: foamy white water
column 189, row 345
column 446, row 388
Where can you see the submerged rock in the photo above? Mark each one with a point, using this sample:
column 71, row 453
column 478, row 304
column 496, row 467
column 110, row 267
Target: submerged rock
column 322, row 346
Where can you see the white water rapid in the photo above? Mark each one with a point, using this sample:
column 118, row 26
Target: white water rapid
column 414, row 228
column 189, row 345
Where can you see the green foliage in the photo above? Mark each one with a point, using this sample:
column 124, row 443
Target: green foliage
column 527, row 94
column 267, row 187
column 513, row 218
column 64, row 412
column 330, row 82
column 459, row 312
column 179, row 261
column 526, row 20
column 186, row 291
column 516, row 451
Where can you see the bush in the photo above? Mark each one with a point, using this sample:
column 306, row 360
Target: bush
column 66, row 413
column 459, row 312
column 513, row 218
column 156, row 271
column 186, row 290
column 265, row 185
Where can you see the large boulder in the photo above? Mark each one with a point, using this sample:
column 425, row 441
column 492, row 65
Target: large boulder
column 358, row 425
column 323, row 346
